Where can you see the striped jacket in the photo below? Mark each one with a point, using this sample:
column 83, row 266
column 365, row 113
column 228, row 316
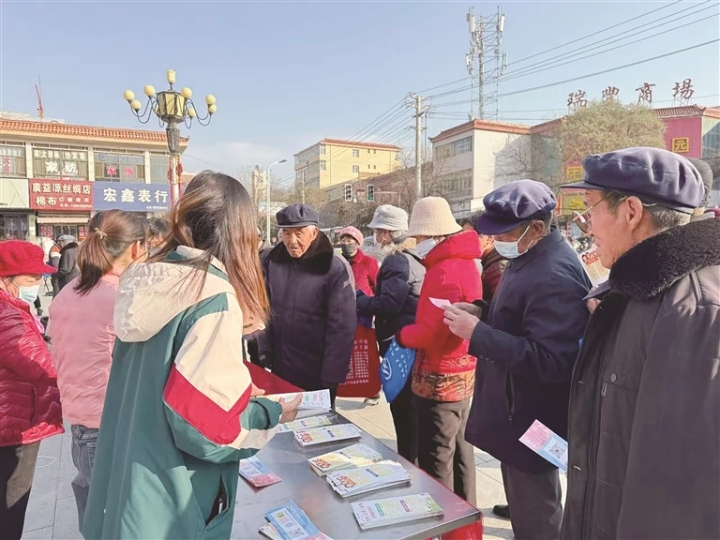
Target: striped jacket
column 178, row 414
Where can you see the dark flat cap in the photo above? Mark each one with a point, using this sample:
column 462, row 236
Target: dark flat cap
column 652, row 174
column 297, row 215
column 514, row 203
column 706, row 174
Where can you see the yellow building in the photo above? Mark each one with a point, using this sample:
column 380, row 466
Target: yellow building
column 53, row 175
column 333, row 161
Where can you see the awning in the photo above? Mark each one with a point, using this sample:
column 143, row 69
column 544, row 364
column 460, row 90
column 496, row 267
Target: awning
column 81, row 219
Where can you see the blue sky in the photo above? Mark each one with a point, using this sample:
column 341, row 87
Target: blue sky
column 288, row 74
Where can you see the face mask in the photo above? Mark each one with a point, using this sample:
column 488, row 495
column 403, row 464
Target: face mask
column 510, row 250
column 28, row 293
column 348, row 250
column 424, row 247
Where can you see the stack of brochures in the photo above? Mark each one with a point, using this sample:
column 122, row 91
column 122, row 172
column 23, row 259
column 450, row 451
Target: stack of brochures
column 357, row 455
column 289, row 522
column 312, row 403
column 305, row 423
column 369, row 478
column 326, row 434
column 382, row 512
column 257, row 473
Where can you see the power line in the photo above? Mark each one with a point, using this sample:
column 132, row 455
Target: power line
column 594, row 33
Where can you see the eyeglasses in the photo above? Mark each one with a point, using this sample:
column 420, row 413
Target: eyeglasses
column 584, row 219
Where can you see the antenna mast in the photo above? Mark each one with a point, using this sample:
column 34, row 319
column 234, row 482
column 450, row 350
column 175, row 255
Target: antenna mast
column 485, row 34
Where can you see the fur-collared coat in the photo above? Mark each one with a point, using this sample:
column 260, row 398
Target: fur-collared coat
column 644, row 433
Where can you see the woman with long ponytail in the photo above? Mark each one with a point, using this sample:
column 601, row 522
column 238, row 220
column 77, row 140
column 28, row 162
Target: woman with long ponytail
column 83, row 333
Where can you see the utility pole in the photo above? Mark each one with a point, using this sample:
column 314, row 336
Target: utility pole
column 485, row 33
column 417, row 104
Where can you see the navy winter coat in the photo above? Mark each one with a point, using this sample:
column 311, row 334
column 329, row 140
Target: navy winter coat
column 526, row 352
column 310, row 337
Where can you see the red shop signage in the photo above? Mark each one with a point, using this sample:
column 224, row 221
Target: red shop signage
column 61, row 195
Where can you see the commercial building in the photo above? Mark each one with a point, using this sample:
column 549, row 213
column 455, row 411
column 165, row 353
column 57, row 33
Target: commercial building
column 333, row 161
column 54, row 175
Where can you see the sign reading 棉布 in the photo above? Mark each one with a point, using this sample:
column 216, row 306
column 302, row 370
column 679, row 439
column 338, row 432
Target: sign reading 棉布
column 681, row 145
column 131, row 197
column 61, row 195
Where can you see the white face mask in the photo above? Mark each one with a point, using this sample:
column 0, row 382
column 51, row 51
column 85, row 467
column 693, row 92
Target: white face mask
column 510, row 250
column 424, row 247
column 28, row 293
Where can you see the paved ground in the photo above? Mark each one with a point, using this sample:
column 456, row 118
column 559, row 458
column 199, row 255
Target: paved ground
column 52, row 513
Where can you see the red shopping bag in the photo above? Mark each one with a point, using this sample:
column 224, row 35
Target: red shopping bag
column 363, row 380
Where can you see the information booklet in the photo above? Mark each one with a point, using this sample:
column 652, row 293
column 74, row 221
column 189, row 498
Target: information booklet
column 289, row 522
column 356, row 455
column 547, row 444
column 257, row 473
column 383, row 512
column 305, row 423
column 369, row 478
column 312, row 403
column 326, row 434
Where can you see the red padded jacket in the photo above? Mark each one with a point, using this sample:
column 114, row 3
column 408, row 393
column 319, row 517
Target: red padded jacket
column 29, row 397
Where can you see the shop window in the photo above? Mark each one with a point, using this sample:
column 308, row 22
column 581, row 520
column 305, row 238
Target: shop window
column 12, row 160
column 159, row 165
column 13, row 227
column 110, row 167
column 60, row 163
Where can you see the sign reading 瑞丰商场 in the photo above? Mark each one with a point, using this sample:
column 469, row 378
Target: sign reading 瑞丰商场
column 60, row 195
column 131, row 197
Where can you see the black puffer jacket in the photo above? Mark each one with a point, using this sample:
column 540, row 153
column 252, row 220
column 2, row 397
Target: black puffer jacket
column 397, row 293
column 67, row 269
column 310, row 337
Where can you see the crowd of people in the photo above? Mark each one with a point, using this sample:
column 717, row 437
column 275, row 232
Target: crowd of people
column 146, row 361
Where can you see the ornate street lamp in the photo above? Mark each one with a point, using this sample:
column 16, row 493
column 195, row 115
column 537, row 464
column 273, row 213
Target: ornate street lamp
column 171, row 108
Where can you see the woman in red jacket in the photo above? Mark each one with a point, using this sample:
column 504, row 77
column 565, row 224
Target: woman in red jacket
column 443, row 376
column 365, row 269
column 29, row 397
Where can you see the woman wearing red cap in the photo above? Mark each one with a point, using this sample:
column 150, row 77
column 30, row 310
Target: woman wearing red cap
column 29, row 397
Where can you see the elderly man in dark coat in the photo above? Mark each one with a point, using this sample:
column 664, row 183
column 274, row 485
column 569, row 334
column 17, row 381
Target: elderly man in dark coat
column 309, row 339
column 526, row 350
column 644, row 456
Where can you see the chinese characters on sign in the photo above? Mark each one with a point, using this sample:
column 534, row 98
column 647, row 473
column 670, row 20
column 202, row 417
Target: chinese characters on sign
column 12, row 160
column 577, row 100
column 683, row 93
column 645, row 94
column 131, row 197
column 610, row 93
column 574, row 173
column 61, row 163
column 681, row 145
column 61, row 195
column 119, row 167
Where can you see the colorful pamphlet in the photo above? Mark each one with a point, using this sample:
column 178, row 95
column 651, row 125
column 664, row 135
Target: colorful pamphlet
column 312, row 403
column 326, row 434
column 594, row 269
column 257, row 473
column 357, row 455
column 291, row 523
column 547, row 444
column 382, row 512
column 369, row 478
column 305, row 423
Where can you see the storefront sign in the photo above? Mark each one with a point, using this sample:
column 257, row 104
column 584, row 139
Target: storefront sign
column 119, row 166
column 49, row 162
column 574, row 173
column 131, row 197
column 681, row 145
column 61, row 195
column 571, row 200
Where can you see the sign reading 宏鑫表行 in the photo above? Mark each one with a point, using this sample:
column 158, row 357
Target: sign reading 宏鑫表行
column 61, row 195
column 131, row 197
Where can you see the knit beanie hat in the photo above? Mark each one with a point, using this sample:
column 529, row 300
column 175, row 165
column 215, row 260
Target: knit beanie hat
column 389, row 218
column 352, row 232
column 431, row 216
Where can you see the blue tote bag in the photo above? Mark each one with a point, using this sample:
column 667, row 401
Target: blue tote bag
column 395, row 369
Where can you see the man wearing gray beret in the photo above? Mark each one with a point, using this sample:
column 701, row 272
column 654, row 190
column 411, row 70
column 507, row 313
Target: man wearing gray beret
column 644, row 423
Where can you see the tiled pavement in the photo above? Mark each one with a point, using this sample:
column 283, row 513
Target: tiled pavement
column 52, row 513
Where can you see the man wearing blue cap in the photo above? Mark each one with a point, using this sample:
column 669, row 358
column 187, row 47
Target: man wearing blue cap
column 644, row 423
column 310, row 337
column 526, row 347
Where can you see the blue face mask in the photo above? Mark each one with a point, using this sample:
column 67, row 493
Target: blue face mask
column 424, row 247
column 510, row 250
column 28, row 293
